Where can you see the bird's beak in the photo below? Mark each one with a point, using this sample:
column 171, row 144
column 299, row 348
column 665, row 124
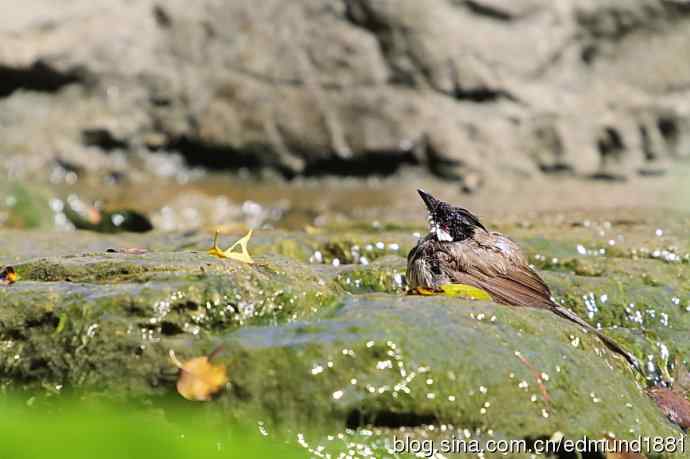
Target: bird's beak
column 430, row 201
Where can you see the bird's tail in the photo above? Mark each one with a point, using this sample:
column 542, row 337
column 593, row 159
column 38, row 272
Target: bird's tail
column 610, row 343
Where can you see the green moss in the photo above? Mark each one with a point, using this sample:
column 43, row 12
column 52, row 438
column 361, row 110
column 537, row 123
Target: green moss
column 107, row 331
column 431, row 358
column 387, row 274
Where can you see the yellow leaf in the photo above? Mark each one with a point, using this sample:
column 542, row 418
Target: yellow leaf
column 244, row 256
column 199, row 379
column 457, row 290
column 465, row 291
column 8, row 276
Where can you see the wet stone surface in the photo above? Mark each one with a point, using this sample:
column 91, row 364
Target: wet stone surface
column 322, row 344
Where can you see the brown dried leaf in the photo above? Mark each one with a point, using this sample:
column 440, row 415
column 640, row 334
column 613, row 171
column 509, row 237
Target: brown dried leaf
column 621, row 454
column 199, row 378
column 673, row 404
column 8, row 276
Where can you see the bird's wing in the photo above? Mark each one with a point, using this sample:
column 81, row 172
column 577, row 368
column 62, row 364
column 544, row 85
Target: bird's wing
column 517, row 287
column 498, row 268
column 501, row 270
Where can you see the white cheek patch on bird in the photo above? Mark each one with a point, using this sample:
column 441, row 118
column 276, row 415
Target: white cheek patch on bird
column 443, row 235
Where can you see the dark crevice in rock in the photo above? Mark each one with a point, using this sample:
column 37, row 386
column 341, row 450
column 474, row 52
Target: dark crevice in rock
column 442, row 166
column 610, row 143
column 39, row 77
column 381, row 163
column 134, row 310
column 647, row 149
column 38, row 364
column 162, row 17
column 669, row 130
column 217, row 157
column 589, row 53
column 103, row 139
column 550, row 151
column 675, row 9
column 13, row 334
column 360, row 14
column 557, row 169
column 261, row 157
column 647, row 172
column 186, row 306
column 607, row 176
column 49, row 319
column 487, row 11
column 483, row 94
column 611, row 148
column 389, row 419
column 170, row 328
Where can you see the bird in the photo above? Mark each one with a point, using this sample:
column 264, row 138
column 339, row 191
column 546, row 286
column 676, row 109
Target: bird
column 460, row 251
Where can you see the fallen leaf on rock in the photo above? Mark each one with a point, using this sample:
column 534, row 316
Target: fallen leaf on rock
column 199, row 378
column 465, row 291
column 455, row 290
column 613, row 446
column 244, row 256
column 8, row 276
column 673, row 404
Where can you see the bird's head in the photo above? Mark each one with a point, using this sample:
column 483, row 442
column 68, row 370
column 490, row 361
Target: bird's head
column 449, row 223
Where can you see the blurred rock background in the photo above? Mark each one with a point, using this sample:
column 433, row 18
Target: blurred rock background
column 470, row 90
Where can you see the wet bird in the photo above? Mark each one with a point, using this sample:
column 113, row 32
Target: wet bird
column 459, row 250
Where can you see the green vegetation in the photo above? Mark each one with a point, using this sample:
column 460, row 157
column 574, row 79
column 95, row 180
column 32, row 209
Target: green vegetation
column 79, row 430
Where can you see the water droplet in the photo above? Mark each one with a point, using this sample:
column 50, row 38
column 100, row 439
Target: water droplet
column 316, row 370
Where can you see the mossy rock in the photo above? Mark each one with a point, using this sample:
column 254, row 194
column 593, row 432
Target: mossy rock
column 107, row 320
column 384, row 362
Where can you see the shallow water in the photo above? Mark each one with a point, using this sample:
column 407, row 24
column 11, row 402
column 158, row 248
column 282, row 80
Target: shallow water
column 213, row 199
